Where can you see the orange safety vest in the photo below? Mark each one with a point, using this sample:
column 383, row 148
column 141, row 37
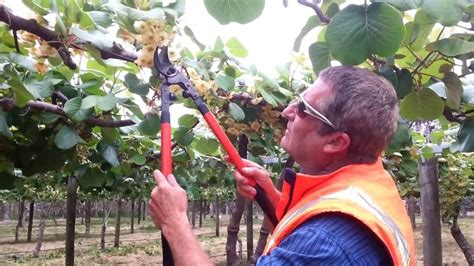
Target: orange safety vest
column 363, row 191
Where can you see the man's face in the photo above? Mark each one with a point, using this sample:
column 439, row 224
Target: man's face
column 301, row 139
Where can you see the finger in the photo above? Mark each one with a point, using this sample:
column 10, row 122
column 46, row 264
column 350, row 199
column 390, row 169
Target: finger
column 172, row 180
column 245, row 194
column 159, row 178
column 240, row 179
column 255, row 173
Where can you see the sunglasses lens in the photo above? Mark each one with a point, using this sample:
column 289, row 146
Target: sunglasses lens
column 301, row 107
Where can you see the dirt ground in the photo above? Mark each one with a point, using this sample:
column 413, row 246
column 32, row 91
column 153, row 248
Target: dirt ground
column 144, row 246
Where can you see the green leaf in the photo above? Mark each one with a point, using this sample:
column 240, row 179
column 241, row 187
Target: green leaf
column 400, row 139
column 465, row 137
column 268, row 98
column 107, row 102
column 423, row 104
column 187, row 120
column 110, row 135
column 72, row 108
column 89, row 102
column 39, row 6
column 91, row 177
column 134, row 108
column 405, row 83
column 454, row 90
column 23, row 61
column 440, row 89
column 312, row 23
column 389, row 73
column 7, row 180
column 206, row 146
column 236, row 48
column 218, row 44
column 66, row 138
column 402, row 5
column 446, row 12
column 225, row 82
column 451, row 46
column 193, row 37
column 4, row 128
column 422, row 27
column 139, row 159
column 109, row 153
column 95, row 37
column 236, row 112
column 355, row 33
column 134, row 85
column 150, row 125
column 100, row 18
column 21, row 94
column 49, row 118
column 183, row 136
column 240, row 11
column 319, row 56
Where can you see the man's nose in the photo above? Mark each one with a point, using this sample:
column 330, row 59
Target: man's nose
column 289, row 112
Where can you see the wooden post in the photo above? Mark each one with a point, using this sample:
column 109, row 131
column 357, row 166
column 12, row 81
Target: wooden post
column 30, row 220
column 132, row 215
column 71, row 219
column 430, row 211
column 411, row 211
column 117, row 223
column 201, row 210
column 216, row 212
column 249, row 207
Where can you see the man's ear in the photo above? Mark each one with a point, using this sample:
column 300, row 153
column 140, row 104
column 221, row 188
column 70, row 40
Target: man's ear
column 338, row 142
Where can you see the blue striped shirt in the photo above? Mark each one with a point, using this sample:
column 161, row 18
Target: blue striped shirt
column 329, row 239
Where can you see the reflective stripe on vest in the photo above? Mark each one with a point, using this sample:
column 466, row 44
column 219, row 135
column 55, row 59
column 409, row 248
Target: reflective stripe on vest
column 364, row 201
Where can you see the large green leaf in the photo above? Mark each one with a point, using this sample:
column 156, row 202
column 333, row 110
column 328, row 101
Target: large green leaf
column 403, row 5
column 39, row 6
column 107, row 102
column 451, row 46
column 356, row 32
column 40, row 89
column 422, row 27
column 465, row 138
column 150, row 125
column 225, row 82
column 405, row 83
column 100, row 18
column 139, row 159
column 72, row 108
column 236, row 48
column 21, row 94
column 206, row 145
column 183, row 136
column 236, row 112
column 109, row 153
column 312, row 23
column 446, row 12
column 400, row 139
column 66, row 138
column 135, row 85
column 23, row 61
column 99, row 39
column 187, row 120
column 453, row 90
column 390, row 74
column 110, row 135
column 91, row 177
column 4, row 128
column 240, row 11
column 423, row 104
column 319, row 56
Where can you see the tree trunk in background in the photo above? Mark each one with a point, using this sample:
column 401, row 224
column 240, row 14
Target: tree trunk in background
column 193, row 213
column 82, row 213
column 144, row 211
column 117, row 223
column 105, row 220
column 205, row 209
column 233, row 231
column 411, row 211
column 457, row 234
column 430, row 211
column 21, row 210
column 87, row 209
column 201, row 209
column 41, row 229
column 139, row 210
column 71, row 219
column 30, row 220
column 132, row 216
column 264, row 229
column 217, row 218
column 249, row 207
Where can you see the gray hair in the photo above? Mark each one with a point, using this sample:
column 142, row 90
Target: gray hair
column 364, row 106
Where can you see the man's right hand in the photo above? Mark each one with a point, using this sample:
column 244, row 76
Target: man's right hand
column 257, row 173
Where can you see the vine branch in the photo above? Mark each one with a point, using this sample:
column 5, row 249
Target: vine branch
column 8, row 104
column 314, row 5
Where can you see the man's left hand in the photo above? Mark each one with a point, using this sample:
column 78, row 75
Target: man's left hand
column 168, row 202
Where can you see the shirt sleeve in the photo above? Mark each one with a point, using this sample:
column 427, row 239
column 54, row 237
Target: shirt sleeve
column 329, row 239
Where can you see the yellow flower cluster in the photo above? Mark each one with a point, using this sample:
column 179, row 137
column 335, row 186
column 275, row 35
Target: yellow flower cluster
column 152, row 34
column 270, row 116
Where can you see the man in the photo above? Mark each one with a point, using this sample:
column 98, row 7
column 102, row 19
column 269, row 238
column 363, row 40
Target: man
column 343, row 208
